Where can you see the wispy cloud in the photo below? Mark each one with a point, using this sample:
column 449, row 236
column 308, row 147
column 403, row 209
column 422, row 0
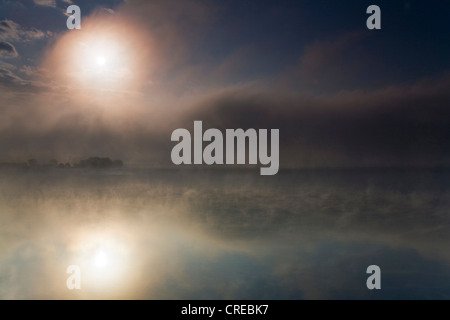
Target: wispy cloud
column 7, row 50
column 10, row 30
column 47, row 3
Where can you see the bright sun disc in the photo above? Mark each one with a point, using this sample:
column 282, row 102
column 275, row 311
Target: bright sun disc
column 101, row 61
column 101, row 259
column 104, row 256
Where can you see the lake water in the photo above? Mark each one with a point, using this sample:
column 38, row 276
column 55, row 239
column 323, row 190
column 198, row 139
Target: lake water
column 222, row 234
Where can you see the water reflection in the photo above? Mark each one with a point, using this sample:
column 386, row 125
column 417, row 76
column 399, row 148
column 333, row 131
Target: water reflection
column 185, row 234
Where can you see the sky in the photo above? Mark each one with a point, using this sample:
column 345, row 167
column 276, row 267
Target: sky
column 340, row 94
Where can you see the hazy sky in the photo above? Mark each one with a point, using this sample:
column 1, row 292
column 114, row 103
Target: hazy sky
column 137, row 70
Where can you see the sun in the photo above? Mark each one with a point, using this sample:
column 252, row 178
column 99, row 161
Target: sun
column 108, row 57
column 101, row 259
column 101, row 61
column 104, row 258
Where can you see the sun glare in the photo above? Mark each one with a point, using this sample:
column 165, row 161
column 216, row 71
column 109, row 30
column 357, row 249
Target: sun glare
column 101, row 259
column 104, row 258
column 108, row 56
column 101, row 61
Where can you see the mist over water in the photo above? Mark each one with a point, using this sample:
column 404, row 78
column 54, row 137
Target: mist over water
column 225, row 234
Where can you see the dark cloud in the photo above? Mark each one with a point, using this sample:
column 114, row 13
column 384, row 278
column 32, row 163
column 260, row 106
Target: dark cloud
column 5, row 25
column 399, row 126
column 392, row 126
column 7, row 49
column 330, row 65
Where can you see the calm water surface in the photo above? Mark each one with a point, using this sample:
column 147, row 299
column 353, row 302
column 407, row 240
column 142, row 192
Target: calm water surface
column 218, row 234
